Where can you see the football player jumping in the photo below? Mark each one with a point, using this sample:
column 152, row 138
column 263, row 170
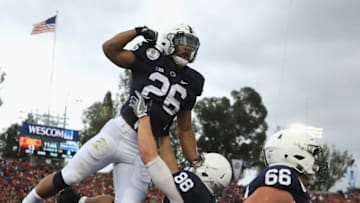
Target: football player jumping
column 160, row 72
column 195, row 184
column 293, row 159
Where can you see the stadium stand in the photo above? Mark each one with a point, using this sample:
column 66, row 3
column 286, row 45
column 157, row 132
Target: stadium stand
column 17, row 178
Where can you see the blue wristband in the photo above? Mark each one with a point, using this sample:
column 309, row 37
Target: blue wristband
column 197, row 162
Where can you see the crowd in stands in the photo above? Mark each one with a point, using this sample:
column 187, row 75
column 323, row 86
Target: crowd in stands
column 336, row 197
column 18, row 177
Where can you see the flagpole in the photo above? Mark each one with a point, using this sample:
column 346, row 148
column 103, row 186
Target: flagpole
column 52, row 68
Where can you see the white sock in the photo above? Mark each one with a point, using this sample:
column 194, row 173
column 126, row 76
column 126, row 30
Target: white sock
column 162, row 178
column 32, row 197
column 83, row 199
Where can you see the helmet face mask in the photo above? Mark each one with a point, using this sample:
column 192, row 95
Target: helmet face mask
column 322, row 174
column 296, row 148
column 187, row 39
column 181, row 35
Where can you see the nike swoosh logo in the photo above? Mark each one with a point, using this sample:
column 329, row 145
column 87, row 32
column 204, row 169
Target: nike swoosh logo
column 183, row 82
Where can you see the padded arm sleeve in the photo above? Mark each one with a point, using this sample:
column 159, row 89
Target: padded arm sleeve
column 162, row 178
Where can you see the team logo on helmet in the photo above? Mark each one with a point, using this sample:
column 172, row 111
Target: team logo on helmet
column 152, row 54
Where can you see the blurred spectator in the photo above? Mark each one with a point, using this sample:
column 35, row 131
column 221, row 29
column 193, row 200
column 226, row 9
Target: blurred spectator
column 17, row 177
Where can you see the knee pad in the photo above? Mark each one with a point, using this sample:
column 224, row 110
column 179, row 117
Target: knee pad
column 59, row 182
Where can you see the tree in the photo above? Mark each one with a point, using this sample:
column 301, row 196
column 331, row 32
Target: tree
column 2, row 78
column 338, row 163
column 11, row 137
column 236, row 130
column 123, row 92
column 95, row 117
column 9, row 140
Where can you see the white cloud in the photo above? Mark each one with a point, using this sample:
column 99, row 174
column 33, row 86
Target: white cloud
column 301, row 56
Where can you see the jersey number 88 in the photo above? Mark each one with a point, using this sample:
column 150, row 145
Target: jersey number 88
column 184, row 182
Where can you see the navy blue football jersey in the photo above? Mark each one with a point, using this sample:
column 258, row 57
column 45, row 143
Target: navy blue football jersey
column 283, row 178
column 191, row 188
column 169, row 91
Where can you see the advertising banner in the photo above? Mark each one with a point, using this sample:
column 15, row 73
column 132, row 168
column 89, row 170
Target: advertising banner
column 237, row 166
column 50, row 132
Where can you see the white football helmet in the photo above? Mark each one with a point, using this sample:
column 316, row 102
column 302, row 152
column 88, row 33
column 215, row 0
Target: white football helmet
column 180, row 35
column 215, row 171
column 296, row 147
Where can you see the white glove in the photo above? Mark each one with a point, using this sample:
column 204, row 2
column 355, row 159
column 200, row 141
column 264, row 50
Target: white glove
column 137, row 103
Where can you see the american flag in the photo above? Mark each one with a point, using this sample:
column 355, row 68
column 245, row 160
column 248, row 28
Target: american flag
column 47, row 25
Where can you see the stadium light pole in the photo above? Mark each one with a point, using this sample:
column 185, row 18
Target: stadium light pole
column 65, row 116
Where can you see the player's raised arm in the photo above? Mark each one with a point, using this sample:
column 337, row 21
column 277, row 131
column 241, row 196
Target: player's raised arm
column 114, row 47
column 156, row 167
column 167, row 153
column 187, row 136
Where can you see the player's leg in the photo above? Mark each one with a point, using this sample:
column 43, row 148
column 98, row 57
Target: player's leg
column 130, row 185
column 68, row 195
column 131, row 182
column 99, row 199
column 45, row 187
column 130, row 178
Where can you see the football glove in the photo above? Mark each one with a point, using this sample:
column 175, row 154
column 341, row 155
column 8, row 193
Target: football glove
column 148, row 34
column 137, row 103
column 68, row 195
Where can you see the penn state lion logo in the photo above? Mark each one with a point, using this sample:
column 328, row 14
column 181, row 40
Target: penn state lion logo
column 152, row 54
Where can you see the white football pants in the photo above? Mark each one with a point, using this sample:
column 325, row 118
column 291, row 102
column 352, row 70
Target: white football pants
column 116, row 143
